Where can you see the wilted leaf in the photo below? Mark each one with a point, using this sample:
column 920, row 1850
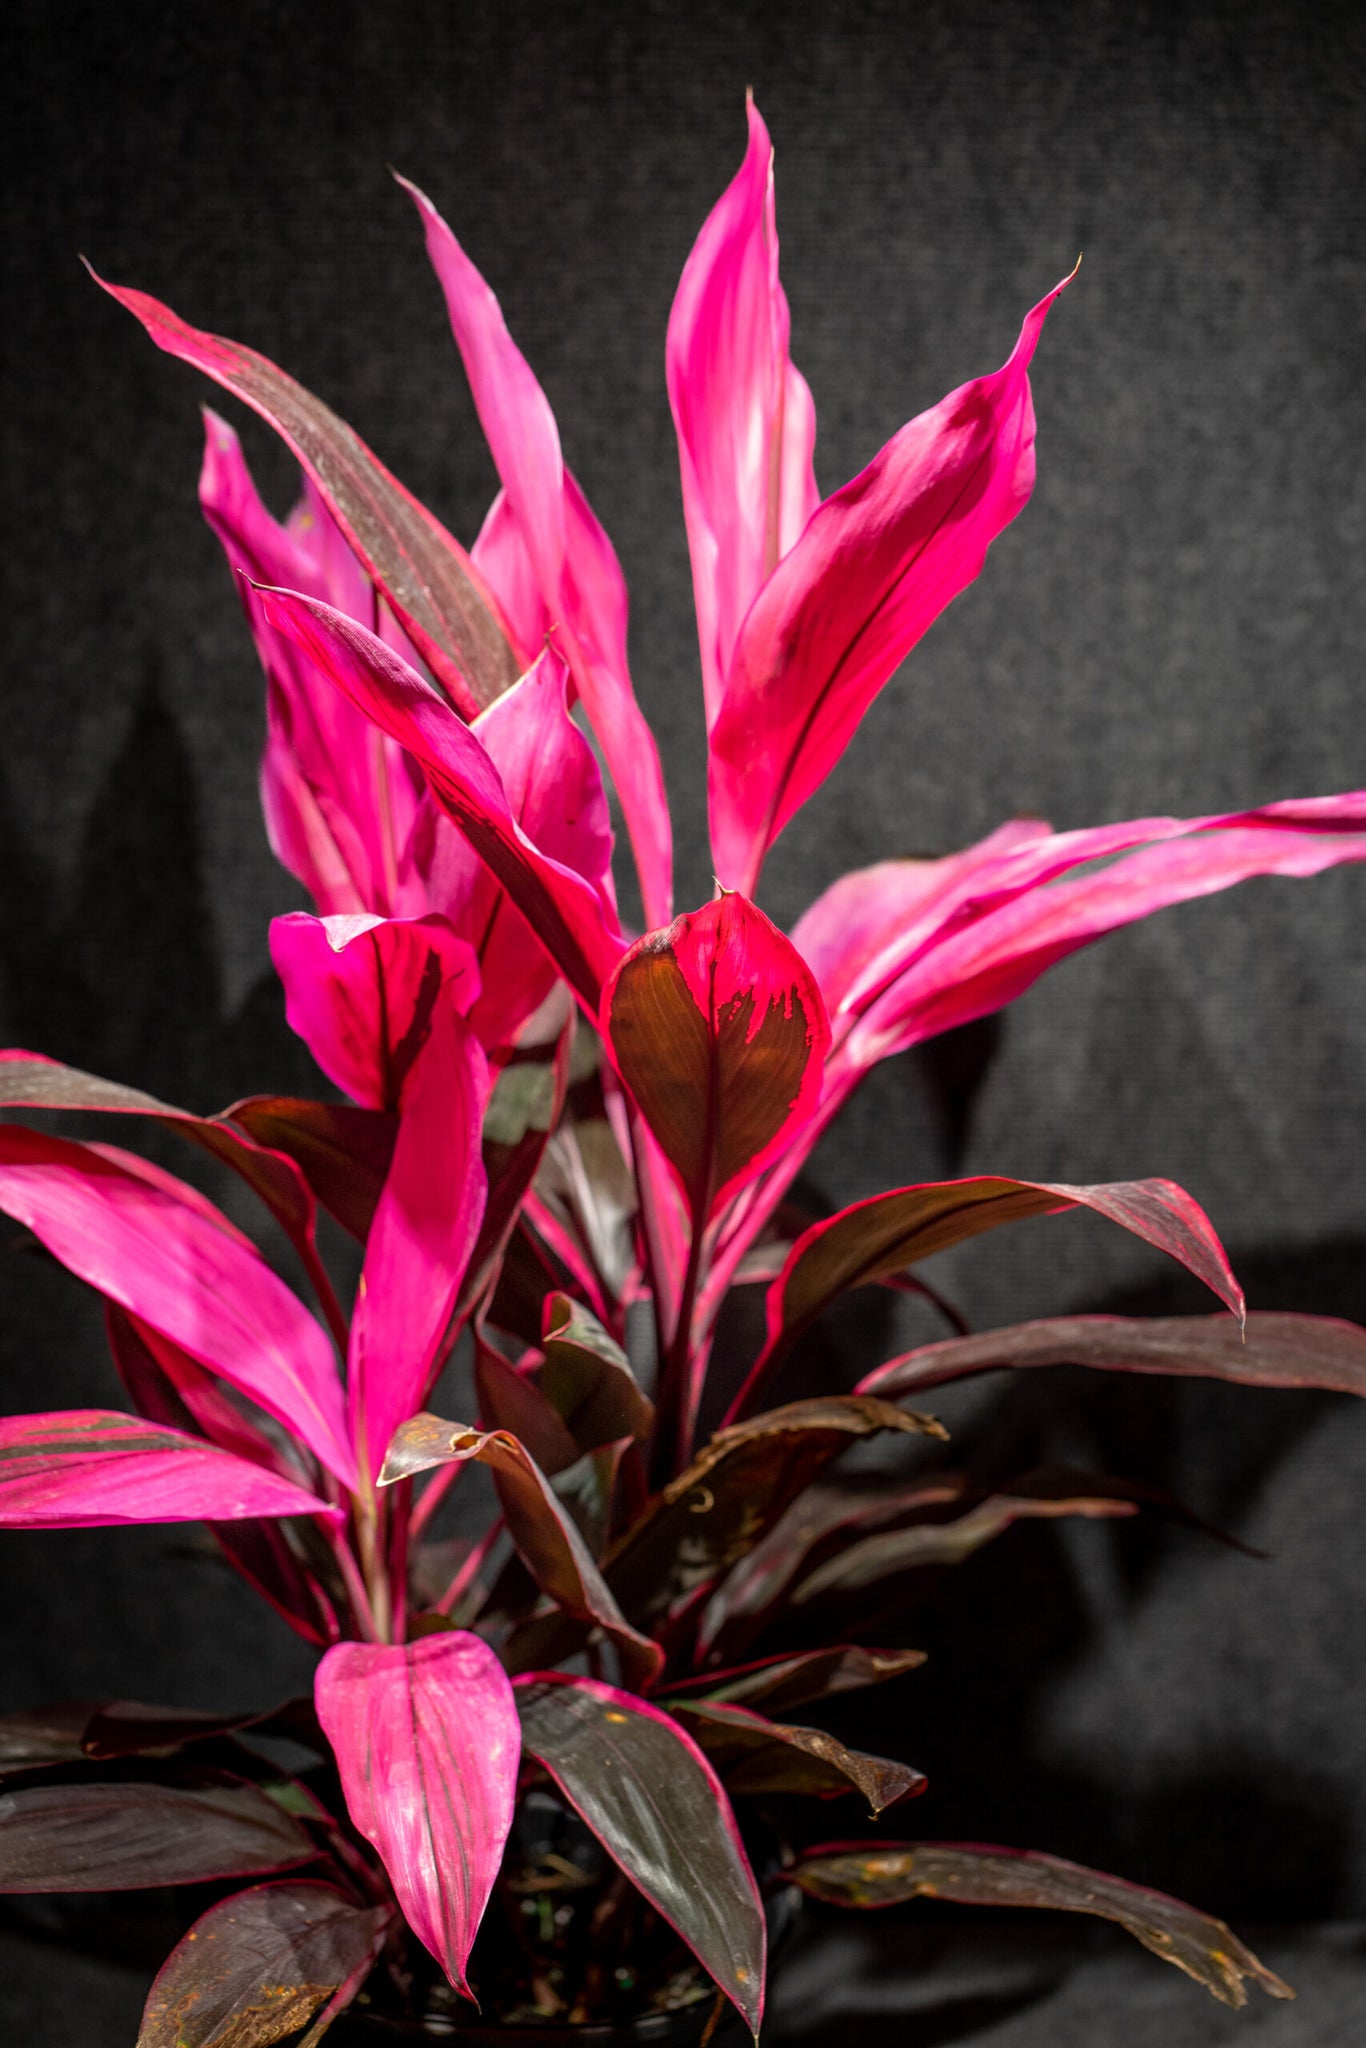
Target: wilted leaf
column 256, row 1968
column 656, row 1805
column 853, row 1874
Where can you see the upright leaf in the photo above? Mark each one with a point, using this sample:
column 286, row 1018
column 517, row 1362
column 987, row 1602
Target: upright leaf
column 644, row 1787
column 256, row 1968
column 1270, row 1351
column 427, row 1742
column 574, row 920
column 718, row 1029
column 89, row 1468
column 874, row 567
column 136, row 1835
column 426, row 576
column 861, row 1874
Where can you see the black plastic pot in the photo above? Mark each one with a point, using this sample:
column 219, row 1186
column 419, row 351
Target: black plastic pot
column 681, row 2029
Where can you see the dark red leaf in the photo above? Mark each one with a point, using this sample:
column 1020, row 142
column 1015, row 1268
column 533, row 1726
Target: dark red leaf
column 780, row 1683
column 91, row 1836
column 342, row 1151
column 754, row 1754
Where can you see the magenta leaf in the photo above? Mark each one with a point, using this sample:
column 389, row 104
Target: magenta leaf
column 257, row 1967
column 718, row 1029
column 426, row 576
column 646, row 1790
column 745, row 421
column 91, row 1836
column 876, row 1238
column 574, row 920
column 886, row 1874
column 89, row 1468
column 542, row 1529
column 571, row 561
column 1271, row 1351
column 360, row 991
column 522, row 1111
column 427, row 1741
column 875, row 566
column 158, row 1255
column 756, row 1755
column 424, row 1231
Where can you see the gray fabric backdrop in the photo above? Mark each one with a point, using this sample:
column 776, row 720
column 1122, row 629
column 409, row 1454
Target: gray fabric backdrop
column 1173, row 625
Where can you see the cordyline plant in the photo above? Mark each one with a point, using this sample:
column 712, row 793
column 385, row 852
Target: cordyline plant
column 549, row 1126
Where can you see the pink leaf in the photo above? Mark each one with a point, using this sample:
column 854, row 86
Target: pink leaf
column 361, row 991
column 428, row 1742
column 339, row 797
column 744, row 417
column 90, row 1468
column 873, row 569
column 421, row 1238
column 574, row 919
column 427, row 576
column 572, row 562
column 165, row 1262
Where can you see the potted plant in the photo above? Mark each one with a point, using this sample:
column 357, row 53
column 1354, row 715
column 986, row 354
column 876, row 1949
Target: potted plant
column 549, row 1763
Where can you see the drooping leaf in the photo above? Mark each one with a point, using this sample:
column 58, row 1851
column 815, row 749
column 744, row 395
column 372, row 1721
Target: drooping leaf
column 575, row 570
column 743, row 413
column 877, row 1237
column 1272, row 1350
column 343, row 1152
column 573, row 919
column 874, row 567
column 733, row 1492
column 257, row 1967
column 88, row 1835
column 424, row 1230
column 755, row 1754
column 643, row 1786
column 159, row 1254
column 426, row 576
column 361, row 991
column 543, row 1531
column 427, row 1742
column 91, row 1468
column 777, row 1684
column 30, row 1080
column 718, row 1029
column 38, row 1736
column 861, row 1874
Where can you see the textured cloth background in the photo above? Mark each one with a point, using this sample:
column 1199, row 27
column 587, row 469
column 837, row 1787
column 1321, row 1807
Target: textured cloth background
column 1174, row 624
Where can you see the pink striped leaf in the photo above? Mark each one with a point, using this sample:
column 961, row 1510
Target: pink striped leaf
column 427, row 1741
column 574, row 919
column 360, row 991
column 572, row 562
column 91, row 1468
column 1270, row 1350
column 875, row 566
column 426, row 576
column 718, row 1029
column 164, row 1261
column 871, row 1874
column 644, row 1787
column 877, row 1237
column 424, row 1231
column 257, row 1967
column 543, row 1530
column 745, row 422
